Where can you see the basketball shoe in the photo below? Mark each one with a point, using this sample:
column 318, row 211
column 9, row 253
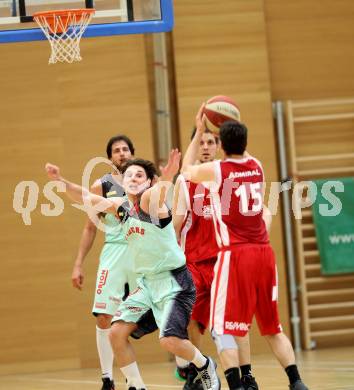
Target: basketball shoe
column 107, row 384
column 192, row 382
column 249, row 382
column 208, row 376
column 298, row 385
column 134, row 388
column 181, row 373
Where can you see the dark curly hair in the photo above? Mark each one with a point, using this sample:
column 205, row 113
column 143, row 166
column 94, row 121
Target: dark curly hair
column 118, row 138
column 147, row 165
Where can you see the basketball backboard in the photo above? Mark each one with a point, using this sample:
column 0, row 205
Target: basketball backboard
column 112, row 17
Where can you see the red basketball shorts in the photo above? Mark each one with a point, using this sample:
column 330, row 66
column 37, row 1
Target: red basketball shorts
column 245, row 284
column 203, row 274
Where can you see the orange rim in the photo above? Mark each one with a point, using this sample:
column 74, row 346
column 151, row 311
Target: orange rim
column 51, row 16
column 65, row 12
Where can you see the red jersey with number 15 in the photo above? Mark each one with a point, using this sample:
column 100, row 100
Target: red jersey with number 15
column 238, row 202
column 198, row 234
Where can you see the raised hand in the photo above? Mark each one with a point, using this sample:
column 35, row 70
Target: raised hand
column 200, row 119
column 169, row 171
column 53, row 171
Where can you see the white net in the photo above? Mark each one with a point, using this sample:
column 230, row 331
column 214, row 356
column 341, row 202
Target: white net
column 64, row 31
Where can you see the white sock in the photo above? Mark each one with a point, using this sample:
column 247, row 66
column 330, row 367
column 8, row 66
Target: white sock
column 199, row 359
column 105, row 352
column 181, row 362
column 132, row 374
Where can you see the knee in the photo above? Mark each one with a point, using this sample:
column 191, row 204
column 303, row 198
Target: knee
column 278, row 339
column 114, row 334
column 168, row 343
column 120, row 331
column 272, row 337
column 117, row 335
column 103, row 321
column 223, row 342
column 194, row 326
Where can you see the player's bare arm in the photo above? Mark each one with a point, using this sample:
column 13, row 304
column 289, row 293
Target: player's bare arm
column 191, row 154
column 179, row 206
column 83, row 196
column 200, row 173
column 87, row 239
column 197, row 173
column 153, row 200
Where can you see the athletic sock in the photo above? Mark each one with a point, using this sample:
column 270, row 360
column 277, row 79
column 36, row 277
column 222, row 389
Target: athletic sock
column 246, row 370
column 105, row 352
column 292, row 373
column 233, row 379
column 132, row 374
column 199, row 359
column 181, row 362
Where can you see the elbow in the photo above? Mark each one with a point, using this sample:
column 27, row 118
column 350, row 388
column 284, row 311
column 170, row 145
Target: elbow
column 185, row 171
column 91, row 227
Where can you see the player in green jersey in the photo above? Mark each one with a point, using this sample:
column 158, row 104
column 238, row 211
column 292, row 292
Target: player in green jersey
column 114, row 275
column 164, row 284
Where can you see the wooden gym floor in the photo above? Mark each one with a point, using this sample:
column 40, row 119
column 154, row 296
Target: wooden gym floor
column 331, row 369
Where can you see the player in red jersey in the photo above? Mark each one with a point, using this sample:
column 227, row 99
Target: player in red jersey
column 194, row 226
column 245, row 281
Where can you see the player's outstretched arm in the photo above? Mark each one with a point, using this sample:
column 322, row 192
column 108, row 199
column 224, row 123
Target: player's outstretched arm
column 179, row 206
column 82, row 195
column 169, row 171
column 191, row 154
column 202, row 172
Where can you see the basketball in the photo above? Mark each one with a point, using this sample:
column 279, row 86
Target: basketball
column 219, row 109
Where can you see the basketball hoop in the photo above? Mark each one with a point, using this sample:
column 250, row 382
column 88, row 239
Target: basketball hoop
column 64, row 30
